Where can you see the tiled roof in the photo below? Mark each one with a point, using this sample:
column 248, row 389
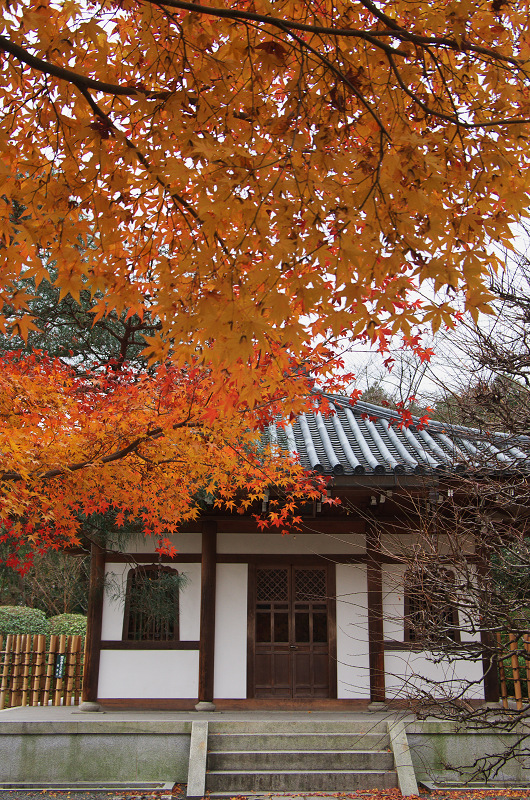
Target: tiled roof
column 362, row 439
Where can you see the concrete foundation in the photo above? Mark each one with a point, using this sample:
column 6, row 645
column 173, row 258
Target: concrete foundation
column 443, row 752
column 63, row 746
column 74, row 747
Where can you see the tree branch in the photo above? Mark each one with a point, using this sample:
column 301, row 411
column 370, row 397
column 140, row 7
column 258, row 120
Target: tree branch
column 155, row 433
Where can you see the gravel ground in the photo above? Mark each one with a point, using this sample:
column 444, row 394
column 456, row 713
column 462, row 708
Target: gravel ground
column 179, row 793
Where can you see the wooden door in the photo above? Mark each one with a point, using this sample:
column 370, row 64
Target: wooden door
column 290, row 632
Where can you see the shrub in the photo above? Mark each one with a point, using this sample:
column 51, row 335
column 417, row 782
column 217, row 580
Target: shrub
column 21, row 619
column 69, row 624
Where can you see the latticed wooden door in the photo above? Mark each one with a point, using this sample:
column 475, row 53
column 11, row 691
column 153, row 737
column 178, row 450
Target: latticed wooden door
column 291, row 632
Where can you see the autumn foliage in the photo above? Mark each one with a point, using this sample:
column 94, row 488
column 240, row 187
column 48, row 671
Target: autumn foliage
column 270, row 182
column 144, row 448
column 259, row 175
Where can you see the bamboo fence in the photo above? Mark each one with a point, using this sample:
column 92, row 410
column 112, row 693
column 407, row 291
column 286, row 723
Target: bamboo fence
column 513, row 661
column 40, row 670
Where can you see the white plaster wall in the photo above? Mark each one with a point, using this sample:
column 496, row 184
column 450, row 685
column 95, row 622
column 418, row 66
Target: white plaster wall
column 190, row 602
column 148, row 673
column 353, row 674
column 411, row 674
column 398, row 543
column 231, row 600
column 393, row 601
column 468, row 614
column 401, row 542
column 113, row 606
column 184, row 542
column 294, row 543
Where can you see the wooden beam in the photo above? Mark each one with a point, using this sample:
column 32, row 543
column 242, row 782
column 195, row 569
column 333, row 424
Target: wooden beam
column 375, row 616
column 94, row 619
column 207, row 633
column 339, row 524
column 119, row 644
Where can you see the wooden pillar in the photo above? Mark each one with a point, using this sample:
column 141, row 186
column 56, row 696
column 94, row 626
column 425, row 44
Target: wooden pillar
column 207, row 635
column 94, row 619
column 490, row 668
column 375, row 616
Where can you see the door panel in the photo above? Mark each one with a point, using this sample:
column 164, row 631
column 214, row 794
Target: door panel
column 290, row 632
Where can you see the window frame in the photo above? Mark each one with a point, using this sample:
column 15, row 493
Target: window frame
column 411, row 596
column 132, row 576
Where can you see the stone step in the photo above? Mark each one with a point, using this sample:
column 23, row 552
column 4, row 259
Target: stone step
column 298, row 741
column 271, row 725
column 284, row 760
column 251, row 781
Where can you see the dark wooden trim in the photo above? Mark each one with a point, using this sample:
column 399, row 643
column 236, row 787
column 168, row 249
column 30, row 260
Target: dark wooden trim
column 136, row 559
column 119, row 644
column 94, row 620
column 339, row 523
column 251, row 627
column 490, row 668
column 375, row 615
column 207, row 633
column 332, row 630
column 148, row 704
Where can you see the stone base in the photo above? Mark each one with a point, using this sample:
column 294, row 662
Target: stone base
column 136, row 751
column 87, row 705
column 377, row 707
column 205, row 705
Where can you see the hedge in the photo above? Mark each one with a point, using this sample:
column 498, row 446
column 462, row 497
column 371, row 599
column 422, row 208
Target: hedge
column 21, row 619
column 69, row 624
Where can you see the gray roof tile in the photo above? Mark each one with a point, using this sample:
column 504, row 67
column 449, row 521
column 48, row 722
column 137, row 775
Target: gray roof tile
column 365, row 438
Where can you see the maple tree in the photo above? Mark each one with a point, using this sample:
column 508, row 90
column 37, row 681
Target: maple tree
column 267, row 183
column 148, row 449
column 97, row 446
column 260, row 175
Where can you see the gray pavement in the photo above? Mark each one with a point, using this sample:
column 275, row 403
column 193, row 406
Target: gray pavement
column 65, row 713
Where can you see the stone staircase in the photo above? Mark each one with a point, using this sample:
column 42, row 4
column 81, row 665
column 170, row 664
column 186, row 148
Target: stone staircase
column 261, row 756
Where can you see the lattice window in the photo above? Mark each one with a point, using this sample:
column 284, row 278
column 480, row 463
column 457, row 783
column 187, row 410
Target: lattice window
column 310, row 584
column 272, row 585
column 152, row 604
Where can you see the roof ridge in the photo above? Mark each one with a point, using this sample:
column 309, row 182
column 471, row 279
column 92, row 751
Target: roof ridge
column 432, row 425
